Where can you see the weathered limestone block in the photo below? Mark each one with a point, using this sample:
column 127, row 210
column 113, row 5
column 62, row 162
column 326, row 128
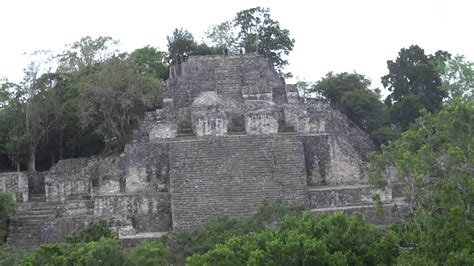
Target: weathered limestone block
column 15, row 183
column 257, row 91
column 107, row 174
column 317, row 159
column 67, row 179
column 292, row 94
column 55, row 229
column 296, row 117
column 162, row 131
column 261, row 121
column 208, row 117
column 168, row 103
column 147, row 167
column 345, row 163
column 147, row 212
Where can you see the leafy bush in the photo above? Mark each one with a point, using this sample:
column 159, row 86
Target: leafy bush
column 326, row 240
column 102, row 252
column 147, row 253
column 10, row 256
column 184, row 244
column 7, row 206
column 93, row 232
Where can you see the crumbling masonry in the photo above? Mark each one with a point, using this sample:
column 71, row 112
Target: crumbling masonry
column 230, row 136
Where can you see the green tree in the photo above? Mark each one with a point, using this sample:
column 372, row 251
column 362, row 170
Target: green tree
column 87, row 52
column 435, row 157
column 333, row 87
column 223, row 35
column 414, row 81
column 350, row 94
column 93, row 232
column 14, row 140
column 102, row 252
column 458, row 78
column 258, row 32
column 151, row 62
column 184, row 244
column 325, row 240
column 39, row 111
column 115, row 98
column 148, row 253
column 180, row 42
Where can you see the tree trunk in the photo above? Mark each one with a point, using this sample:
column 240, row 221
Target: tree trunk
column 32, row 160
column 61, row 155
column 18, row 163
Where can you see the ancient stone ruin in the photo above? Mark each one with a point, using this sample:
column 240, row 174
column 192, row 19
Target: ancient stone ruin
column 230, row 136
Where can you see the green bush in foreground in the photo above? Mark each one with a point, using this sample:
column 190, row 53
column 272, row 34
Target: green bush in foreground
column 325, row 240
column 7, row 206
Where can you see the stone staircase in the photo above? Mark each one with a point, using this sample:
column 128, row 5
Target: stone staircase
column 228, row 79
column 25, row 226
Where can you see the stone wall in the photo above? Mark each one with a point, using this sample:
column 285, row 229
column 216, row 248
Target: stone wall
column 333, row 121
column 82, row 177
column 68, row 179
column 148, row 167
column 16, row 184
column 261, row 121
column 56, row 229
column 317, row 159
column 149, row 212
column 233, row 176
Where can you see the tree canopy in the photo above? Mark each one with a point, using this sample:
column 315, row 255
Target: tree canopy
column 415, row 83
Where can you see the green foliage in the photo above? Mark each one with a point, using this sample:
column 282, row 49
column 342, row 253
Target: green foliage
column 258, row 32
column 325, row 240
column 350, row 94
column 435, row 158
column 93, row 232
column 223, row 35
column 458, row 78
column 87, row 52
column 179, row 42
column 115, row 98
column 7, row 206
column 414, row 80
column 102, row 252
column 148, row 253
column 10, row 256
column 184, row 244
column 333, row 87
column 151, row 62
column 13, row 138
column 95, row 244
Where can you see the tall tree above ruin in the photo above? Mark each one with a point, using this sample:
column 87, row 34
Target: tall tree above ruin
column 414, row 81
column 258, row 32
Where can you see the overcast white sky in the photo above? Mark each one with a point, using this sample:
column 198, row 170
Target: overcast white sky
column 330, row 35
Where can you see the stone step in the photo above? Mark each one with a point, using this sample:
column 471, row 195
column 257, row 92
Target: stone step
column 37, row 197
column 34, row 212
column 387, row 214
column 345, row 195
column 133, row 240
